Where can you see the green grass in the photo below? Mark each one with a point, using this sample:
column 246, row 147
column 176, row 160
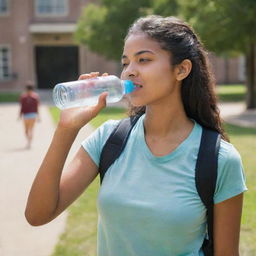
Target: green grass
column 106, row 114
column 79, row 238
column 9, row 97
column 231, row 93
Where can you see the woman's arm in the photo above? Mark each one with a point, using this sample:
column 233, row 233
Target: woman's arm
column 227, row 219
column 52, row 192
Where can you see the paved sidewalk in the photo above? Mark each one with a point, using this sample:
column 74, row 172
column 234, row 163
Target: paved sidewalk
column 18, row 167
column 237, row 114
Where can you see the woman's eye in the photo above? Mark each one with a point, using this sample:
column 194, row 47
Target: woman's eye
column 124, row 65
column 143, row 60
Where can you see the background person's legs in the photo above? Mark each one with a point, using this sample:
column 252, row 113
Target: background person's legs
column 29, row 126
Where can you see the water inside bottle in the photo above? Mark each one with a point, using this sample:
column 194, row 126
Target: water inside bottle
column 87, row 92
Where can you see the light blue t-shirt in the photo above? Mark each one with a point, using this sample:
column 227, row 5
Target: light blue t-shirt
column 149, row 205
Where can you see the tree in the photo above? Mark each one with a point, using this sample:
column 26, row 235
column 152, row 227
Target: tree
column 103, row 27
column 227, row 27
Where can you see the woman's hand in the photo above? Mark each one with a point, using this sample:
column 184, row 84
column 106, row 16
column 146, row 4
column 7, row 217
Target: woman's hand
column 76, row 118
column 51, row 193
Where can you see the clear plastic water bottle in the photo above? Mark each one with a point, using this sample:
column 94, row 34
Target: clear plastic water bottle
column 86, row 92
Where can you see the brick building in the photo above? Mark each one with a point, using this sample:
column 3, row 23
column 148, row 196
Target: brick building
column 36, row 43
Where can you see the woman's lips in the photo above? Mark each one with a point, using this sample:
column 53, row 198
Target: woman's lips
column 137, row 86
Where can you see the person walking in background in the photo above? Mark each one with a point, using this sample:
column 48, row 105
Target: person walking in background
column 29, row 104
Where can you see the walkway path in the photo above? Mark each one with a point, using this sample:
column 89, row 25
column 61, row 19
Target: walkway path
column 18, row 167
column 236, row 113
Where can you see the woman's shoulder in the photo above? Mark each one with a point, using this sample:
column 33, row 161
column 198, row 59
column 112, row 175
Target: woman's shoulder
column 231, row 178
column 105, row 129
column 228, row 152
column 109, row 125
column 229, row 160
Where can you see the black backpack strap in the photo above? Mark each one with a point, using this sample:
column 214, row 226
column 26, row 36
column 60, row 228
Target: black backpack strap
column 206, row 177
column 115, row 144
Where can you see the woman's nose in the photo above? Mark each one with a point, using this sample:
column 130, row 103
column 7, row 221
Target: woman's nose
column 130, row 71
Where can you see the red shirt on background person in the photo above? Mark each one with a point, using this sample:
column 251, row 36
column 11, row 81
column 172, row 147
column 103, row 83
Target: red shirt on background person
column 29, row 104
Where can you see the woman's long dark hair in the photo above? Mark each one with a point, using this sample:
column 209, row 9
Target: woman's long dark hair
column 197, row 91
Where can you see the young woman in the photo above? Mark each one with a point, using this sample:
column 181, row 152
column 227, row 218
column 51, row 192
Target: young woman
column 148, row 203
column 29, row 104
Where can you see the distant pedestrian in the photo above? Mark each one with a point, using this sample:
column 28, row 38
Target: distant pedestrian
column 29, row 104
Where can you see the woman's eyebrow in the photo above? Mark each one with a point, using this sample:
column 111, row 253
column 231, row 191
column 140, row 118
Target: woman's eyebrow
column 138, row 53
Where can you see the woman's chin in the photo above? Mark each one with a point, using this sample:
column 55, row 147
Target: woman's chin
column 136, row 102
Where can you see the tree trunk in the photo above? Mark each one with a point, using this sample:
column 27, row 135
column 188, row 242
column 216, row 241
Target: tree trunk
column 251, row 77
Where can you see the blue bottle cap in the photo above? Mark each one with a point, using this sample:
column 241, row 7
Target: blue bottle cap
column 128, row 86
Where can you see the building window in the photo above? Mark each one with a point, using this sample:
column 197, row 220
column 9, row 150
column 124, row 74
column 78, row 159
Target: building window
column 5, row 60
column 4, row 7
column 51, row 7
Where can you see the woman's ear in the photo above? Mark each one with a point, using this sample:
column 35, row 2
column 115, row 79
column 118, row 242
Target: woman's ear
column 183, row 69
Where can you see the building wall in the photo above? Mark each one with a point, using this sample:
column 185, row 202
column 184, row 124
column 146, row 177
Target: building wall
column 22, row 42
column 15, row 34
column 228, row 70
column 75, row 8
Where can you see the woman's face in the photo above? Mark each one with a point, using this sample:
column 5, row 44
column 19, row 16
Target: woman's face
column 148, row 66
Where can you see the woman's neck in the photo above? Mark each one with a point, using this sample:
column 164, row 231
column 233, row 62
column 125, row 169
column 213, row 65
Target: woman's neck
column 163, row 121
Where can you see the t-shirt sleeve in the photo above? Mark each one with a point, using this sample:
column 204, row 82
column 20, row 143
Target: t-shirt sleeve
column 94, row 143
column 231, row 178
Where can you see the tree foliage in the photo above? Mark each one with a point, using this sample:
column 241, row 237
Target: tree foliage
column 165, row 7
column 225, row 26
column 103, row 27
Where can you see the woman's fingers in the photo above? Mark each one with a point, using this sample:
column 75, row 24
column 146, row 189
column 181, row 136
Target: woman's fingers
column 102, row 98
column 84, row 76
column 102, row 101
column 94, row 74
column 100, row 105
column 90, row 75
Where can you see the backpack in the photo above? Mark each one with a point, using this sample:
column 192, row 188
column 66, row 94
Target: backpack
column 205, row 171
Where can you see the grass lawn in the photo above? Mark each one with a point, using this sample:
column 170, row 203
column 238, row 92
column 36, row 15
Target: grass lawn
column 9, row 97
column 231, row 93
column 79, row 238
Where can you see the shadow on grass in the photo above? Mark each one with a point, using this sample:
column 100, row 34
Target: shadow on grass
column 234, row 130
column 231, row 97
